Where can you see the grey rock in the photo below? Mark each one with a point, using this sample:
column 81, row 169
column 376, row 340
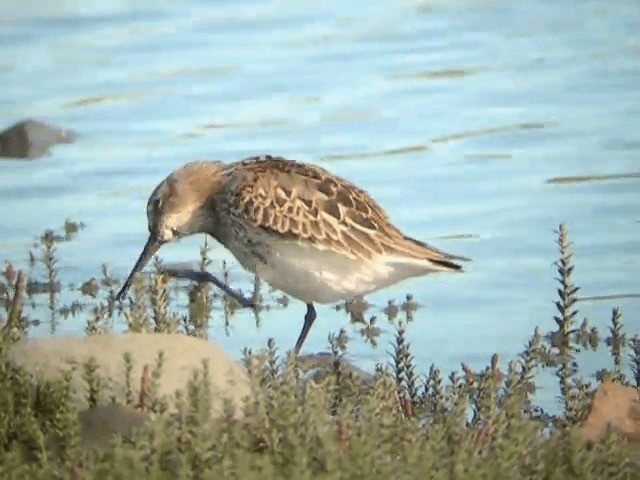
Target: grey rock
column 319, row 365
column 99, row 424
column 31, row 139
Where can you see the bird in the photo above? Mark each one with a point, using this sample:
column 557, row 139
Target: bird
column 306, row 232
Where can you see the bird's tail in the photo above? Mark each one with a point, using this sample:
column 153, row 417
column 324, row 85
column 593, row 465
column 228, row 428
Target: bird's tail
column 437, row 258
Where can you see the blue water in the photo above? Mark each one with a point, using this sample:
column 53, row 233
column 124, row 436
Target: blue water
column 149, row 86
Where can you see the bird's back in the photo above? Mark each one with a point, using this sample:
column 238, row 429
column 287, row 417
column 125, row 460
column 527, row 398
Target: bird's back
column 306, row 203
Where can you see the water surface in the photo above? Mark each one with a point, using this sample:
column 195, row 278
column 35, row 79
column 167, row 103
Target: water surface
column 478, row 128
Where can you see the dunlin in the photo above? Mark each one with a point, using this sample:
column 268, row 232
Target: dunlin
column 301, row 229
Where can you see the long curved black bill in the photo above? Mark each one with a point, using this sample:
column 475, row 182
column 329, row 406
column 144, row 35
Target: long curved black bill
column 149, row 250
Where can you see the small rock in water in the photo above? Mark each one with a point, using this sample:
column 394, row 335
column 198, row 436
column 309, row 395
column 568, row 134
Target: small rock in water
column 319, row 365
column 32, row 139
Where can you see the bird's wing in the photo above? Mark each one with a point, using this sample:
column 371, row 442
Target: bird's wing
column 303, row 202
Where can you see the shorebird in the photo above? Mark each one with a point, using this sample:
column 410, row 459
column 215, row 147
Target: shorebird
column 303, row 230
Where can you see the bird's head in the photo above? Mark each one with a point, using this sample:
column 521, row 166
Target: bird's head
column 181, row 205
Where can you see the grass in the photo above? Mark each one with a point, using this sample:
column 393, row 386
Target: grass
column 396, row 423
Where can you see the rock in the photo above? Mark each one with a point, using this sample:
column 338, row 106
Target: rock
column 48, row 357
column 319, row 365
column 614, row 406
column 32, row 139
column 99, row 424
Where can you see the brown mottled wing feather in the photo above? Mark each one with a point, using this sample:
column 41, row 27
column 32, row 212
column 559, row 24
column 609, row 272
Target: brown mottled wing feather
column 301, row 201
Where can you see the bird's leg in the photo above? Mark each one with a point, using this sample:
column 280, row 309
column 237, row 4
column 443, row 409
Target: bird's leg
column 309, row 317
column 255, row 296
column 197, row 276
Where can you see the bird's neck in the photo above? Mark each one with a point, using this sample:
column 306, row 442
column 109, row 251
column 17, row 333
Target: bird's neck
column 211, row 221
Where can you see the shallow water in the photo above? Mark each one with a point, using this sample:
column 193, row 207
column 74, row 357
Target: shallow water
column 478, row 128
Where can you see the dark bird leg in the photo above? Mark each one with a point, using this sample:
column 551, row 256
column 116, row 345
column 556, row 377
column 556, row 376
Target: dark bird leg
column 255, row 296
column 309, row 317
column 197, row 276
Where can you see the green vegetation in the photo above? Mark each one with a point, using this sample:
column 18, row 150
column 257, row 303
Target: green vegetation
column 397, row 423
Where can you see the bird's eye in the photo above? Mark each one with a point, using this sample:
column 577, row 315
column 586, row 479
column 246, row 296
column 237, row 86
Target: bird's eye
column 153, row 206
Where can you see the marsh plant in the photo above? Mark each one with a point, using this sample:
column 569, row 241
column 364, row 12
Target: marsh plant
column 397, row 422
